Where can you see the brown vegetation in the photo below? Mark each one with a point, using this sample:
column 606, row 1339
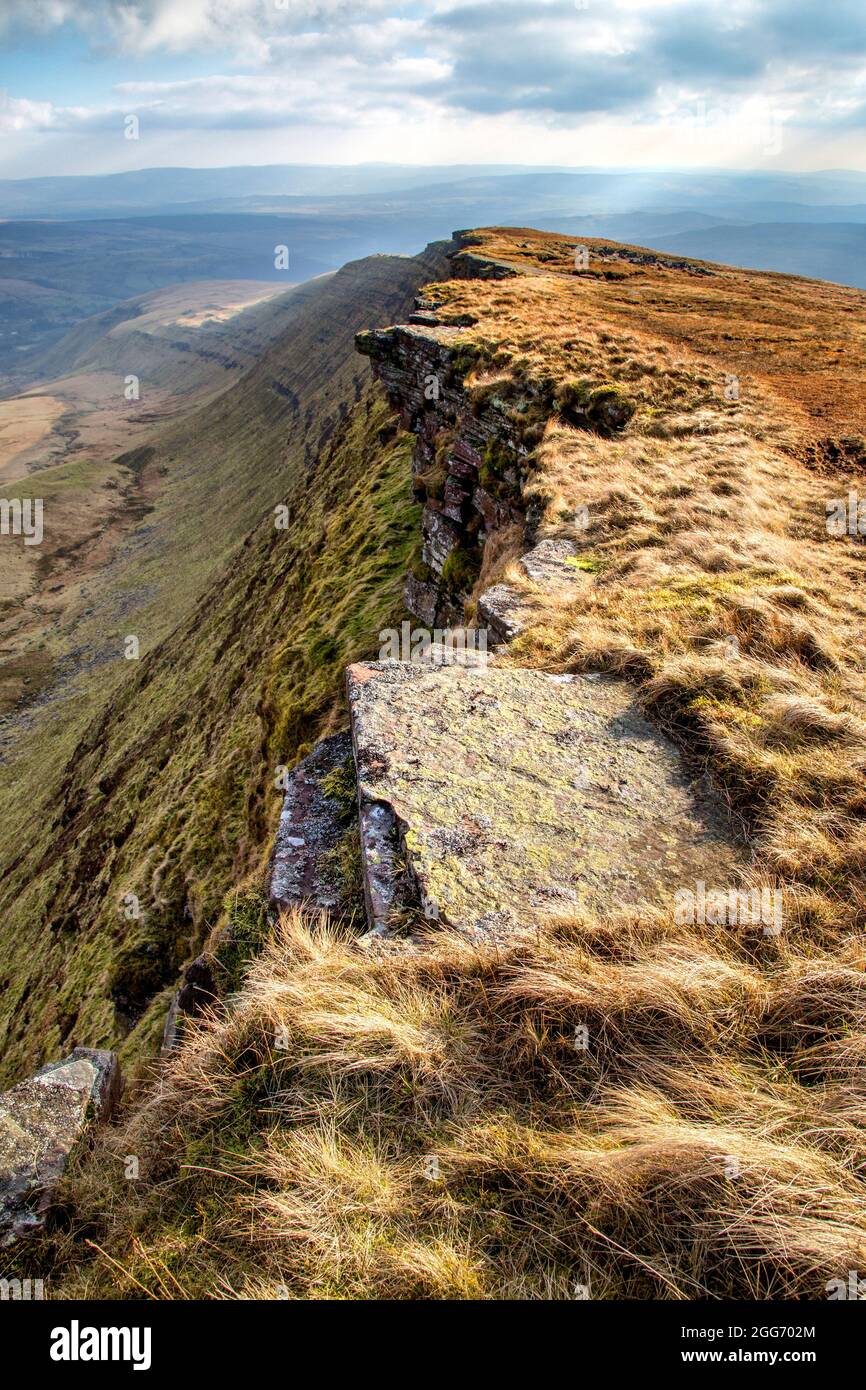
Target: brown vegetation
column 424, row 1125
column 428, row 1123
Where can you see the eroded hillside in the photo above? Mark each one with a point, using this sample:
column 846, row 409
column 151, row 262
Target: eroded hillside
column 77, row 436
column 622, row 466
column 115, row 781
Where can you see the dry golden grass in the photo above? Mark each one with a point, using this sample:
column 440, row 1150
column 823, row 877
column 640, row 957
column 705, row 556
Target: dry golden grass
column 710, row 579
column 803, row 339
column 370, row 1125
column 401, row 1125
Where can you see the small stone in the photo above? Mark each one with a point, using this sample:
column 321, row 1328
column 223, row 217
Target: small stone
column 547, row 563
column 501, row 610
column 42, row 1123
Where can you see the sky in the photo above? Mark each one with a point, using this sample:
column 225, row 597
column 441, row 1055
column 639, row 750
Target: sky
column 98, row 86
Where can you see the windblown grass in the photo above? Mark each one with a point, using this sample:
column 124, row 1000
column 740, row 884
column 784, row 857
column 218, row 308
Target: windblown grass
column 423, row 1125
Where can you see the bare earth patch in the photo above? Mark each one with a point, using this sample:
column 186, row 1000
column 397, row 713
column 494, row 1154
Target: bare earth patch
column 24, row 422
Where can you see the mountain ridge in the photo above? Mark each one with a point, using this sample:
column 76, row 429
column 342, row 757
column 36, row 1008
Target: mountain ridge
column 438, row 1112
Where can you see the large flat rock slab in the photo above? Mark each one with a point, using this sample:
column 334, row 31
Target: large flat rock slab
column 506, row 797
column 42, row 1122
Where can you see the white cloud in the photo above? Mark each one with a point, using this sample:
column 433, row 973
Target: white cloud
column 40, row 15
column 188, row 26
column 18, row 115
column 539, row 68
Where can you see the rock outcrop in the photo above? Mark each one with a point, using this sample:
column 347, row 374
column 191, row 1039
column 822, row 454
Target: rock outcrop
column 501, row 797
column 552, row 566
column 43, row 1122
column 469, row 462
column 312, row 825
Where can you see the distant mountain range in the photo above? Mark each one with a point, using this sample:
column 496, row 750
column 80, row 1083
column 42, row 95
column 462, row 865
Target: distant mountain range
column 75, row 246
column 823, row 250
column 750, row 195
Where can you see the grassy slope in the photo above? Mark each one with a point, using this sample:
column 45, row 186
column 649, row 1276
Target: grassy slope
column 431, row 1129
column 167, row 791
column 150, row 336
column 92, row 501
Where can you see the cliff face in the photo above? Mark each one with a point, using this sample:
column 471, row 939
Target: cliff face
column 469, row 459
column 477, row 425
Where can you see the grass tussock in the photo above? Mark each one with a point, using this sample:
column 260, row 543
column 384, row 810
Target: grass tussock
column 635, row 1108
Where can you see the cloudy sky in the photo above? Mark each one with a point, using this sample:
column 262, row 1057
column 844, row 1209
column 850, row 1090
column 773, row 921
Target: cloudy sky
column 743, row 83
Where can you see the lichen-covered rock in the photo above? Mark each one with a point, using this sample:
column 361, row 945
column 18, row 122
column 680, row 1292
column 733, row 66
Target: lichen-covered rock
column 502, row 611
column 551, row 563
column 312, row 823
column 505, row 796
column 421, row 597
column 441, row 536
column 506, row 612
column 42, row 1122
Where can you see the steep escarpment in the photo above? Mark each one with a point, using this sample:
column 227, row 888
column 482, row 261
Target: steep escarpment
column 171, row 337
column 538, row 1076
column 274, row 552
